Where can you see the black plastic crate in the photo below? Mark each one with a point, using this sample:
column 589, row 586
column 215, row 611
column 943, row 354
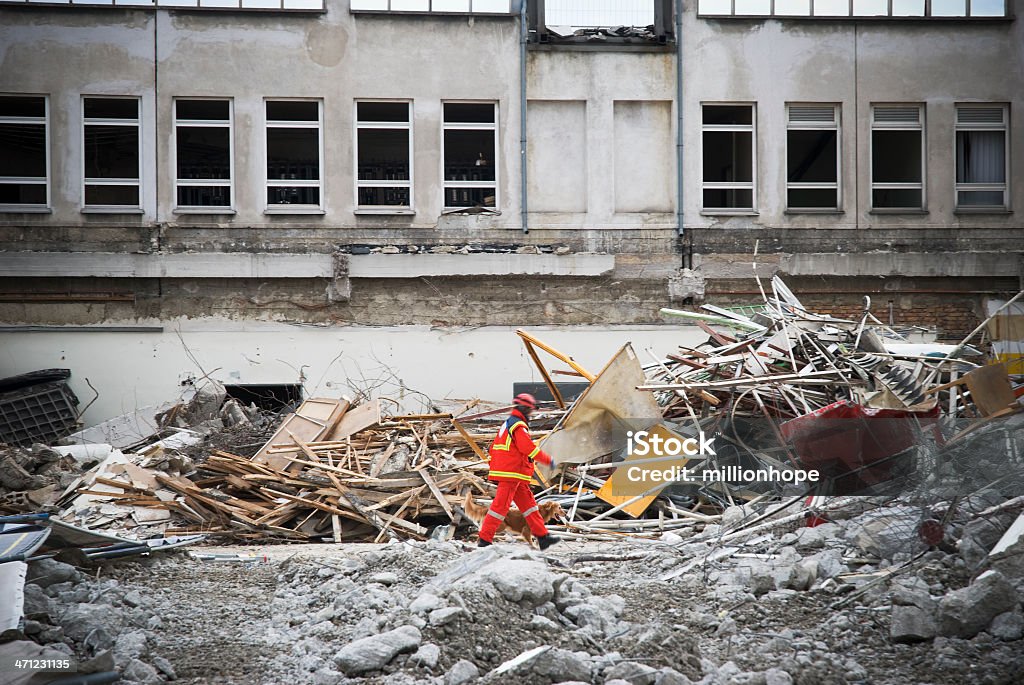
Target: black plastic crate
column 43, row 413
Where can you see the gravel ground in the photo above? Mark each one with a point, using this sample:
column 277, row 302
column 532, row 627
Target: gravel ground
column 283, row 619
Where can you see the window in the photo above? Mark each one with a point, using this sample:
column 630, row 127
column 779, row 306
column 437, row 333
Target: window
column 384, row 155
column 110, row 152
column 294, row 145
column 876, row 9
column 897, row 157
column 812, row 157
column 24, row 162
column 470, row 154
column 433, row 6
column 203, row 154
column 981, row 156
column 728, row 157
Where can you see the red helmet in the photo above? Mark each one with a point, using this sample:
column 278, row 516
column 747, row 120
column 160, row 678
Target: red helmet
column 525, row 399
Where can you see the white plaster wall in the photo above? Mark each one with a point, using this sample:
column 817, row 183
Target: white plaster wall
column 137, row 369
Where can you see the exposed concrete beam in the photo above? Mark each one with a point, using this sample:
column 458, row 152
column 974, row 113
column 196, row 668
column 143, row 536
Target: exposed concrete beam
column 178, row 265
column 911, row 264
column 479, row 264
column 286, row 265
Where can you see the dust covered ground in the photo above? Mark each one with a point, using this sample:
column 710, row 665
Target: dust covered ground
column 443, row 613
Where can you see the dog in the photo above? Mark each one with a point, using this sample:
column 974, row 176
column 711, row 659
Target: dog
column 514, row 520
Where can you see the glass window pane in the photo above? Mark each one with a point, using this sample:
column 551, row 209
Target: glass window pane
column 469, row 155
column 23, row 150
column 112, row 195
column 727, row 156
column 811, row 156
column 896, row 156
column 949, row 8
column 728, row 114
column 204, row 152
column 908, row 8
column 715, row 7
column 461, row 112
column 899, row 199
column 753, row 7
column 980, row 157
column 111, row 108
column 293, row 196
column 469, row 197
column 111, row 151
column 812, row 198
column 728, row 199
column 392, row 197
column 980, row 198
column 22, row 106
column 831, row 8
column 793, row 8
column 293, row 153
column 988, row 8
column 283, row 110
column 383, row 154
column 870, row 8
column 382, row 111
column 204, row 196
column 210, row 110
column 22, row 194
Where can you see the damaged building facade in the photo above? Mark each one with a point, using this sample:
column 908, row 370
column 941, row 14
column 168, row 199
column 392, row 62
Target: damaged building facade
column 455, row 163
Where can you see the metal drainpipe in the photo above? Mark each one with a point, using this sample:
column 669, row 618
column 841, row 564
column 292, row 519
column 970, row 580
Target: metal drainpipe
column 679, row 116
column 524, row 35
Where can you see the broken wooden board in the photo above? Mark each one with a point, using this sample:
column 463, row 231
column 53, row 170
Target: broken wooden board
column 597, row 423
column 310, row 422
column 355, row 420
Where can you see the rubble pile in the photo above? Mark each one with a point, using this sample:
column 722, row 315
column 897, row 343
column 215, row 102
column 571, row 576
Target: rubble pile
column 903, row 563
column 31, row 478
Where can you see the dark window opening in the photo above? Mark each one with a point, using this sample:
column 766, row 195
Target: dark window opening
column 269, row 397
column 569, row 390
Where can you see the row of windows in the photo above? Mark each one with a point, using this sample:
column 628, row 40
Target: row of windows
column 897, row 167
column 204, row 178
column 203, row 150
column 853, row 8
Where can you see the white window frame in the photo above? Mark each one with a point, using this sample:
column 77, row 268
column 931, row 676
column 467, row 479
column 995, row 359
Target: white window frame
column 432, row 6
column 31, row 180
column 204, row 182
column 294, row 183
column 137, row 182
column 919, row 126
column 728, row 8
column 1004, row 187
column 730, row 185
column 469, row 126
column 385, row 125
column 834, row 125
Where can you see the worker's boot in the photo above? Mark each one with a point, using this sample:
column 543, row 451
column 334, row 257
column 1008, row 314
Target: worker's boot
column 483, row 543
column 546, row 541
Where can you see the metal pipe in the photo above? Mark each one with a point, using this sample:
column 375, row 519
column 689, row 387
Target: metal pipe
column 524, row 35
column 679, row 115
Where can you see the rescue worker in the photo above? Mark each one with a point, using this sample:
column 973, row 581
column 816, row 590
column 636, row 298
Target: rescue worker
column 513, row 453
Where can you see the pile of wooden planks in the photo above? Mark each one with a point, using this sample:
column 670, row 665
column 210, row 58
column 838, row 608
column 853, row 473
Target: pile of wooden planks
column 341, row 473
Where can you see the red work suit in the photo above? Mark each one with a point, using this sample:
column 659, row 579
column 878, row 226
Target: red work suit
column 513, row 453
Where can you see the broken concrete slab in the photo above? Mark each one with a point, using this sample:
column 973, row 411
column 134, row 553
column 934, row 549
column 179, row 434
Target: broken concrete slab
column 374, row 652
column 968, row 611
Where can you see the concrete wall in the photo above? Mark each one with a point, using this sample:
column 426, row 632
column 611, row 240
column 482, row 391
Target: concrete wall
column 137, row 368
